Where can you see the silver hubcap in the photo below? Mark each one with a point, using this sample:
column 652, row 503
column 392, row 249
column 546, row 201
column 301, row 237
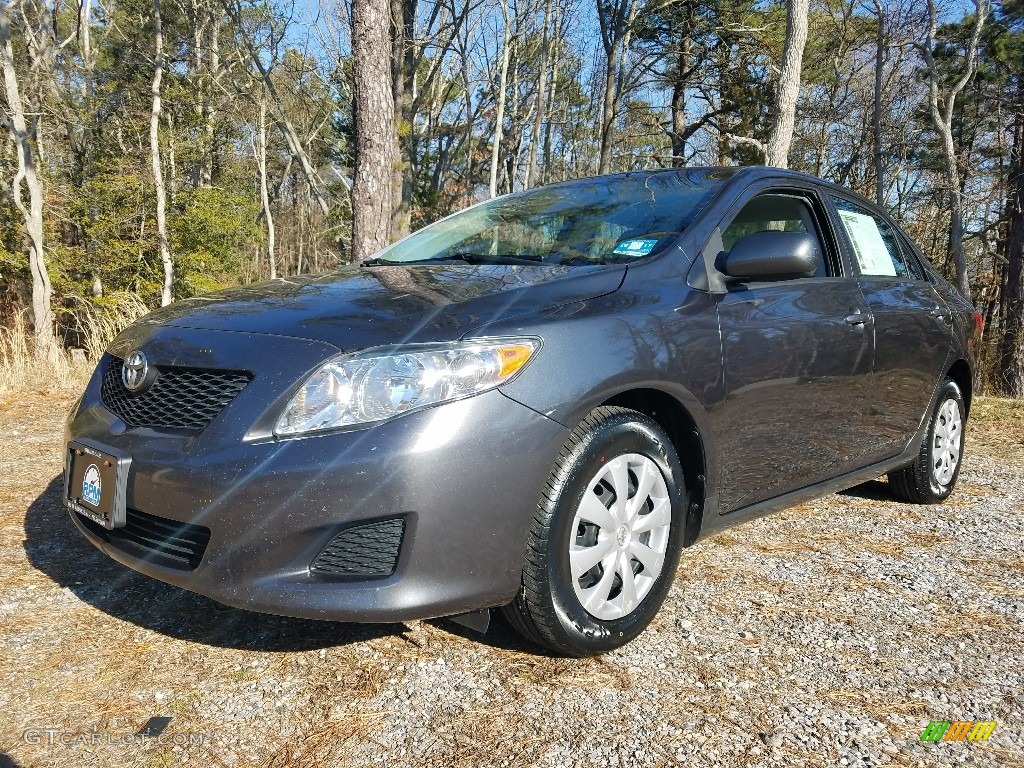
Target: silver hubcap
column 946, row 438
column 620, row 536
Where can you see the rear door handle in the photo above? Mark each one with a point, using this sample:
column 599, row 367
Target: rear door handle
column 942, row 314
column 857, row 318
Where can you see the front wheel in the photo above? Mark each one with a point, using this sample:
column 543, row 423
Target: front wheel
column 606, row 537
column 932, row 477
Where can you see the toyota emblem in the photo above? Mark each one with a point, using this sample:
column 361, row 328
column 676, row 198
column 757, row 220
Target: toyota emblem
column 134, row 370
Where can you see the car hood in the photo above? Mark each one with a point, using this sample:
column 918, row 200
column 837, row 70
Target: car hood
column 357, row 307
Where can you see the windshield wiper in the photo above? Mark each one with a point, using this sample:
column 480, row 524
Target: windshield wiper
column 486, row 258
column 465, row 256
column 579, row 261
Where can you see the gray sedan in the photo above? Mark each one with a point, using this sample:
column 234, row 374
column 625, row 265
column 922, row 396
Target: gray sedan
column 534, row 404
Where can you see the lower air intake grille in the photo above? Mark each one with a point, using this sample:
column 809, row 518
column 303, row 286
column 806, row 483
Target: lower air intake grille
column 363, row 551
column 156, row 539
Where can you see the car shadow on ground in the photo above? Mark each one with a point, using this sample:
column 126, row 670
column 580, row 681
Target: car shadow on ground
column 6, row 761
column 55, row 547
column 875, row 490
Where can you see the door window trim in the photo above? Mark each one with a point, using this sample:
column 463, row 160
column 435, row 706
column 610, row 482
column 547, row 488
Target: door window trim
column 903, row 242
column 828, row 243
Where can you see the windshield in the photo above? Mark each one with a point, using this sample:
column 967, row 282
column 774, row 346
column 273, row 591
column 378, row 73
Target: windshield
column 604, row 220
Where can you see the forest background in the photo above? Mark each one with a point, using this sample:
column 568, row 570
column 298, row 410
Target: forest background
column 157, row 149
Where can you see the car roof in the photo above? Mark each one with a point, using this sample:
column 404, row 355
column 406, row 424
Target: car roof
column 735, row 174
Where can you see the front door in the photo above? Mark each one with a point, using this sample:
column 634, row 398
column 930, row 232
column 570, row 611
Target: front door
column 797, row 364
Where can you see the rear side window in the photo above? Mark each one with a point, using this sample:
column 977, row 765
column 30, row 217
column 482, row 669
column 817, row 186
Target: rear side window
column 774, row 213
column 876, row 247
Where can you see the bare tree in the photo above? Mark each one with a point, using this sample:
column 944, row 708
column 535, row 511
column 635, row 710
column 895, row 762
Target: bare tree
column 542, row 82
column 154, row 152
column 502, row 92
column 941, row 105
column 1011, row 347
column 23, row 134
column 259, row 148
column 374, row 107
column 616, row 19
column 278, row 112
column 876, row 112
column 206, row 73
column 781, row 136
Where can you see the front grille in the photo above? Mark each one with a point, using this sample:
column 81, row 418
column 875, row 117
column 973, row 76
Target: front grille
column 179, row 398
column 156, row 540
column 364, row 551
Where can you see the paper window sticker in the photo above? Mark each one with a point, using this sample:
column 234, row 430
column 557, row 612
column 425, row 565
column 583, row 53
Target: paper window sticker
column 871, row 251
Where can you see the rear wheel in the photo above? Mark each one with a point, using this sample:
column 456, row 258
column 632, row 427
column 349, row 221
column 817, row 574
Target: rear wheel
column 606, row 537
column 932, row 477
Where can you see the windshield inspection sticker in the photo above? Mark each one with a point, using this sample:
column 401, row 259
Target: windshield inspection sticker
column 635, row 247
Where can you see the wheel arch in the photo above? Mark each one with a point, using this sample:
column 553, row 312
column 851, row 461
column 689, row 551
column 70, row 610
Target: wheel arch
column 960, row 372
column 680, row 426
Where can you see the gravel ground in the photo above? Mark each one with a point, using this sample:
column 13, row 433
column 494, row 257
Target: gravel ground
column 828, row 634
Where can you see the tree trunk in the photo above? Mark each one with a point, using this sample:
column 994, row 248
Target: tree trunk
column 209, row 110
column 261, row 162
column 374, row 127
column 515, row 132
column 154, row 149
column 42, row 313
column 1011, row 347
column 608, row 113
column 85, row 40
column 552, row 101
column 499, row 116
column 679, row 85
column 538, row 118
column 172, row 163
column 781, row 136
column 467, row 128
column 403, row 75
column 876, row 115
column 615, row 18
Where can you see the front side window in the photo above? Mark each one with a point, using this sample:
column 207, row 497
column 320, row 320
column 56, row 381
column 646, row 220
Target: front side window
column 876, row 248
column 774, row 213
column 594, row 221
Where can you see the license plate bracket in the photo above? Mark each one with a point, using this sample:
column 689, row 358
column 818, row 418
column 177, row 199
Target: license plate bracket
column 96, row 482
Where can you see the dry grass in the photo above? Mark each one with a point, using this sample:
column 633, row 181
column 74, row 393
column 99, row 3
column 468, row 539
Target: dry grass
column 20, row 369
column 98, row 324
column 95, row 324
column 998, row 422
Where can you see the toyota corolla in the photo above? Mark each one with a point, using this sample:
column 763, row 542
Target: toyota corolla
column 534, row 404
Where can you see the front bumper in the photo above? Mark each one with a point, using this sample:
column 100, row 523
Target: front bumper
column 464, row 476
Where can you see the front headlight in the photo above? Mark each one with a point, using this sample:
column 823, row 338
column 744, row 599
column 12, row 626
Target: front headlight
column 369, row 387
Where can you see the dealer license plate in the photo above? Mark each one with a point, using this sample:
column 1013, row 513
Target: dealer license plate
column 95, row 483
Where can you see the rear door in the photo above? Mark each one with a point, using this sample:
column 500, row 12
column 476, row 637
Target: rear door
column 797, row 361
column 913, row 326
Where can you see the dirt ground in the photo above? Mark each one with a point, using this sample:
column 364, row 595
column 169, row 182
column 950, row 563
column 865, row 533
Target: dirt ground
column 828, row 634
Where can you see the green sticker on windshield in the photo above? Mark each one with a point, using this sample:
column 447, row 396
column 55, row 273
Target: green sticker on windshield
column 635, row 247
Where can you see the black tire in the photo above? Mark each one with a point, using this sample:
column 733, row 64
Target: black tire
column 917, row 483
column 547, row 610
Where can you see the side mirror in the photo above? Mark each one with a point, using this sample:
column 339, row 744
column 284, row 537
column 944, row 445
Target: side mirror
column 772, row 255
